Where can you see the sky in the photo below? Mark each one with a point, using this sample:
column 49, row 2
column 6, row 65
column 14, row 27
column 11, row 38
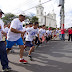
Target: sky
column 23, row 6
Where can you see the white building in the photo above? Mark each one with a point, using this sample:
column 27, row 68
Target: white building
column 49, row 19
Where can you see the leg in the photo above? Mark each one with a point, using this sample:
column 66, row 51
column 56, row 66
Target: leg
column 9, row 45
column 21, row 50
column 21, row 54
column 64, row 37
column 36, row 40
column 4, row 59
column 31, row 49
column 8, row 50
column 61, row 36
column 69, row 38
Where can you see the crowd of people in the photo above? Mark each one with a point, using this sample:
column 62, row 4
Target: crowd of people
column 32, row 35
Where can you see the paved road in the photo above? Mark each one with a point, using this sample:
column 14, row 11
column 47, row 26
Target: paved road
column 55, row 56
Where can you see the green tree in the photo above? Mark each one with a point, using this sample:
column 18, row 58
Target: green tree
column 34, row 19
column 8, row 18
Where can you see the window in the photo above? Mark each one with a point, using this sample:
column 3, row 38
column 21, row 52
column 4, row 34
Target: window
column 37, row 12
column 41, row 20
column 41, row 13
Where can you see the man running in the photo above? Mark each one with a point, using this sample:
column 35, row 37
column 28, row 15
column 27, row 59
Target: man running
column 14, row 36
column 42, row 32
column 31, row 32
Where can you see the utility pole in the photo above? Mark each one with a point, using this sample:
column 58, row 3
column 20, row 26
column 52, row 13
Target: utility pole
column 45, row 18
column 62, row 15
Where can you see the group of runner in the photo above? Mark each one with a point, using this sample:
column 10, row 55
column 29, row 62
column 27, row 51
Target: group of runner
column 32, row 35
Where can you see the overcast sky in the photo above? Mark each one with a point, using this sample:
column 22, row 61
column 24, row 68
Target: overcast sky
column 17, row 6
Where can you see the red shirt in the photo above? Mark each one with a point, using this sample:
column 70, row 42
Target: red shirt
column 63, row 31
column 70, row 31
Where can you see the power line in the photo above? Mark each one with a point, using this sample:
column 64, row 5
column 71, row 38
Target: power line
column 37, row 5
column 25, row 3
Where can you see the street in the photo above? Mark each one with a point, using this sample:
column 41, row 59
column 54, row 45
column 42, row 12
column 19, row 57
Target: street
column 55, row 56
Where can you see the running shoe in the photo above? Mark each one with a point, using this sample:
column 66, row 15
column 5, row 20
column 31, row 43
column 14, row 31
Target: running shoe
column 23, row 61
column 5, row 70
column 30, row 57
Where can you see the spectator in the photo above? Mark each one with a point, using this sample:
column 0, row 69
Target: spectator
column 70, row 34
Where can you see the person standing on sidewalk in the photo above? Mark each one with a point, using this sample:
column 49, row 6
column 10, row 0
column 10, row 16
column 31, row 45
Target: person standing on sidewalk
column 63, row 34
column 3, row 54
column 70, row 34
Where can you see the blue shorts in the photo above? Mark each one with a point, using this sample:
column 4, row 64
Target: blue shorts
column 29, row 44
column 11, row 43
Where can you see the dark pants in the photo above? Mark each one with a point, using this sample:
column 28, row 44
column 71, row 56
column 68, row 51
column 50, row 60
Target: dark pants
column 39, row 42
column 70, row 37
column 36, row 40
column 47, row 38
column 62, row 36
column 3, row 54
column 0, row 57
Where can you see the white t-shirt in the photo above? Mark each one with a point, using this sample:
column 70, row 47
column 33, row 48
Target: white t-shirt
column 59, row 31
column 48, row 33
column 41, row 32
column 2, row 29
column 6, row 30
column 54, row 32
column 36, row 34
column 16, row 24
column 24, row 29
column 31, row 32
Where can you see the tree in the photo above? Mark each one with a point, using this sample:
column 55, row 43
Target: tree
column 34, row 19
column 8, row 18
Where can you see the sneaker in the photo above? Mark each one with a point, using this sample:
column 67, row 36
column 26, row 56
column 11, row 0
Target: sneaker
column 23, row 61
column 36, row 46
column 9, row 68
column 30, row 57
column 25, row 50
column 5, row 70
column 39, row 46
column 12, row 51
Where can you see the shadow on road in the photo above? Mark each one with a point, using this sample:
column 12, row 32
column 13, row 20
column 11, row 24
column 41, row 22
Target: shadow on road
column 53, row 57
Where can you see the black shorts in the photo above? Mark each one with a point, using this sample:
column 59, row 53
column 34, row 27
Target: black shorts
column 29, row 44
column 47, row 38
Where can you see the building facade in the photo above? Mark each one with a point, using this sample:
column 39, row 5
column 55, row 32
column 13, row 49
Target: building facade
column 49, row 19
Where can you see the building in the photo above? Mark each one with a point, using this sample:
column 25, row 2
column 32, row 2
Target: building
column 49, row 19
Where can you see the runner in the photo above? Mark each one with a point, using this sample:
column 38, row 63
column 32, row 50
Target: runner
column 59, row 34
column 31, row 32
column 50, row 31
column 47, row 35
column 54, row 34
column 42, row 33
column 7, row 28
column 14, row 36
column 36, row 37
column 24, row 35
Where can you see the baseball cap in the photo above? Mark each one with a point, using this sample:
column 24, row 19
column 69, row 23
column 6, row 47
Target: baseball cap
column 1, row 11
